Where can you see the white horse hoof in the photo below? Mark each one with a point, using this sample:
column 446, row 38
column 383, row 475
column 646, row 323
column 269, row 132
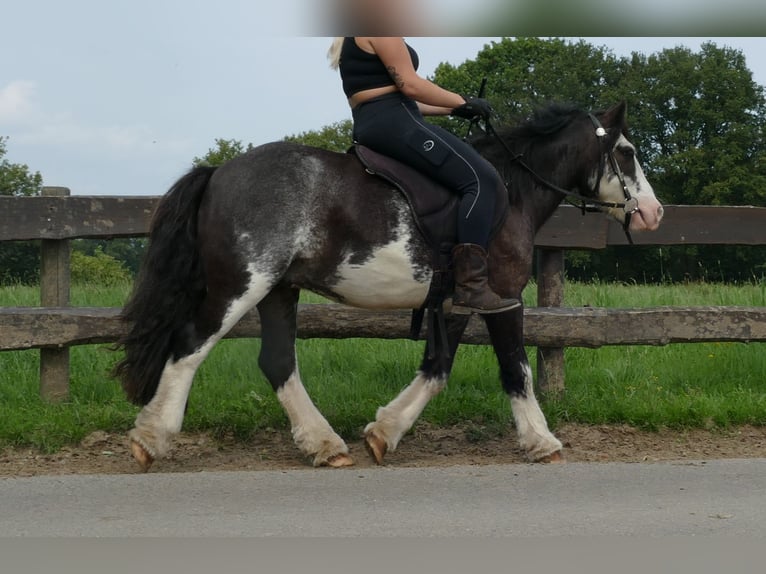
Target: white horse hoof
column 339, row 461
column 553, row 458
column 376, row 446
column 142, row 456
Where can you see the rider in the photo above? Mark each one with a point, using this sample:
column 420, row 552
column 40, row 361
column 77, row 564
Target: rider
column 388, row 100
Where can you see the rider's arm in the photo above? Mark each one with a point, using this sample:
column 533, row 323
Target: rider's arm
column 427, row 110
column 395, row 56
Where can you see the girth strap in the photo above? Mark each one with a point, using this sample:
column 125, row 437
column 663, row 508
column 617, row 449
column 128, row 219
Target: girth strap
column 442, row 285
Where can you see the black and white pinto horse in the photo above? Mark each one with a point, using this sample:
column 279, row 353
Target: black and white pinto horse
column 285, row 217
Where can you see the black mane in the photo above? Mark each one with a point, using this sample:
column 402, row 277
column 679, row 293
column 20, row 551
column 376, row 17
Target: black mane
column 527, row 139
column 544, row 123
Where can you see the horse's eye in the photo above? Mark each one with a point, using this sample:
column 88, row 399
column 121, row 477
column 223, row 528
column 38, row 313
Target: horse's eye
column 628, row 152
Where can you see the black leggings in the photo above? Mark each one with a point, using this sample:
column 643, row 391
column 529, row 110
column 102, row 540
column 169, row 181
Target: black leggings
column 393, row 125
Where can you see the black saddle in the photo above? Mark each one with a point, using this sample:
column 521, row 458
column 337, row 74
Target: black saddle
column 436, row 211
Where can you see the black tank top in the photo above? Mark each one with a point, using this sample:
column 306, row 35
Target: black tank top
column 360, row 70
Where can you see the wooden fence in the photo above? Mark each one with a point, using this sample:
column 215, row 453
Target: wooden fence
column 56, row 217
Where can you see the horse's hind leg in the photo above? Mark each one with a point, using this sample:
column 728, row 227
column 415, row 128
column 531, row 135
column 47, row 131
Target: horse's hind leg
column 394, row 420
column 312, row 433
column 506, row 333
column 162, row 417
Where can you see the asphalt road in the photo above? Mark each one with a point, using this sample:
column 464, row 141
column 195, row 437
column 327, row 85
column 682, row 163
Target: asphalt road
column 714, row 498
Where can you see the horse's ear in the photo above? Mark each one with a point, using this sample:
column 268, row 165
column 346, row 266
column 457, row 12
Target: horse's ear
column 615, row 116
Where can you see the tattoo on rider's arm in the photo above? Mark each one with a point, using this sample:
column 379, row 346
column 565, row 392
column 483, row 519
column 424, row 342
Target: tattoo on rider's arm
column 395, row 76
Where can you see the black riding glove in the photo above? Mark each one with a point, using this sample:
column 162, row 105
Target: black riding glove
column 474, row 108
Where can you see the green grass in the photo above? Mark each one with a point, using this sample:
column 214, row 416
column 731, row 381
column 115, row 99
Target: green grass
column 686, row 294
column 678, row 386
column 700, row 385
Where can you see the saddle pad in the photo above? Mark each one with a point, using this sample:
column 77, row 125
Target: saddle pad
column 424, row 194
column 434, row 206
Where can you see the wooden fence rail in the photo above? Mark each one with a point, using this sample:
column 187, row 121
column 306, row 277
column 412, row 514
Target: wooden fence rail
column 56, row 217
column 56, row 328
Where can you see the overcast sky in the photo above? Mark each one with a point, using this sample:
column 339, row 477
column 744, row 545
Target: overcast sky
column 119, row 100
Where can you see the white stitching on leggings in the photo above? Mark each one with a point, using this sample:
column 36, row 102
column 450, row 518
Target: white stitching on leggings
column 476, row 175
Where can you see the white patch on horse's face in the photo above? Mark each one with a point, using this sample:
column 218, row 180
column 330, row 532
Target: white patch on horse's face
column 650, row 210
column 386, row 280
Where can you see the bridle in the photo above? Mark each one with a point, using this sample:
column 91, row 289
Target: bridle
column 631, row 203
column 585, row 204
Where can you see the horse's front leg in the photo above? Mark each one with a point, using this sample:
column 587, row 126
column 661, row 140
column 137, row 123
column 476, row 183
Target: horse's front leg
column 506, row 333
column 394, row 420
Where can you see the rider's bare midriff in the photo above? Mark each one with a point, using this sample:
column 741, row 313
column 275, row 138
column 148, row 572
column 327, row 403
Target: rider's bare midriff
column 367, row 95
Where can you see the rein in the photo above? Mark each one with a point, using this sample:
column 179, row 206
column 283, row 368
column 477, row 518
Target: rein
column 629, row 206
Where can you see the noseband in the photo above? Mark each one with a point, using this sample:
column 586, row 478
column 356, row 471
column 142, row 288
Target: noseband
column 585, row 204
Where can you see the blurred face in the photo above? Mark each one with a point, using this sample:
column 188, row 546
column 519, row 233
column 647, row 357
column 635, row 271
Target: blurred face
column 380, row 17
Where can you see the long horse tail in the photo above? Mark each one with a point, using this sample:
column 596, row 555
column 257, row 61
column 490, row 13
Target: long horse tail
column 169, row 289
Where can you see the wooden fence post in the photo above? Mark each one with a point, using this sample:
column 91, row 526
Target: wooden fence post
column 54, row 292
column 550, row 293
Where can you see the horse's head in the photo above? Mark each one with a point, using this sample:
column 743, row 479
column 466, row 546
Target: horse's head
column 618, row 177
column 587, row 157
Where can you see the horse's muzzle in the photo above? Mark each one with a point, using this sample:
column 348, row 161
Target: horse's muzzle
column 648, row 216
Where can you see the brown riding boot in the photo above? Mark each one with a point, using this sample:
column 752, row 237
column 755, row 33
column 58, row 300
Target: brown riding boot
column 472, row 291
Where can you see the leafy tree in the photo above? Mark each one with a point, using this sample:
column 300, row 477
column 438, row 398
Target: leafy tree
column 128, row 251
column 335, row 137
column 223, row 152
column 526, row 73
column 99, row 269
column 699, row 122
column 19, row 261
column 15, row 178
